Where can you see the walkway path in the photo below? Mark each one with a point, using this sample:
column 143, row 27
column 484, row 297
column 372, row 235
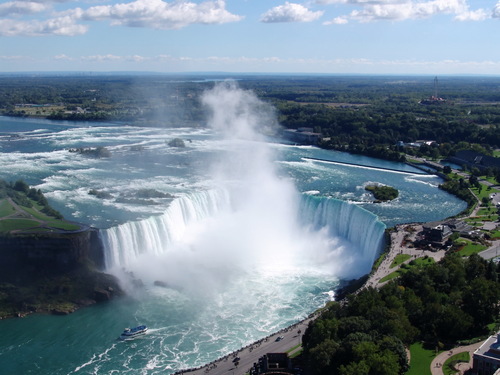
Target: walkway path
column 399, row 237
column 291, row 337
column 440, row 359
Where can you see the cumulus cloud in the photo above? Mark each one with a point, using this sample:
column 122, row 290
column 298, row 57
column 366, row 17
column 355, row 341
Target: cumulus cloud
column 360, row 2
column 337, row 21
column 19, row 8
column 496, row 11
column 477, row 15
column 290, row 12
column 400, row 10
column 159, row 14
column 63, row 26
column 156, row 14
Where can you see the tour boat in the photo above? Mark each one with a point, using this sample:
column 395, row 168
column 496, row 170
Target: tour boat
column 130, row 333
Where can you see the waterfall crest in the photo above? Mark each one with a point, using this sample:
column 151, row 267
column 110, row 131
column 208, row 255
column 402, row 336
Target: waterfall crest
column 125, row 242
column 358, row 226
column 359, row 231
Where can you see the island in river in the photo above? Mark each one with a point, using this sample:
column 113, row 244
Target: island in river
column 383, row 193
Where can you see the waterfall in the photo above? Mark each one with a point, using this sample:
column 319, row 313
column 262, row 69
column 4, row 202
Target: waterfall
column 345, row 220
column 360, row 233
column 125, row 242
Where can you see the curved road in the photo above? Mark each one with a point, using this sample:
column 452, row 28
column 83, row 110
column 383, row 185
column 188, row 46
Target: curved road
column 251, row 354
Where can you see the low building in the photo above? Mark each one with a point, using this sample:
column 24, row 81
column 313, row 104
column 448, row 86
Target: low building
column 436, row 232
column 273, row 364
column 459, row 226
column 486, row 359
column 475, row 159
column 302, row 136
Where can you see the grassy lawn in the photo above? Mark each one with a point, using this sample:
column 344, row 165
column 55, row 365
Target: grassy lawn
column 400, row 258
column 470, row 247
column 36, row 213
column 421, row 359
column 379, row 260
column 485, row 192
column 390, row 276
column 61, row 224
column 414, row 263
column 13, row 224
column 484, row 211
column 460, row 357
column 424, row 261
column 489, row 179
column 29, row 223
column 6, row 208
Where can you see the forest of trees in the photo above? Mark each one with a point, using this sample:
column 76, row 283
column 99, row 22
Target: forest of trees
column 358, row 114
column 438, row 304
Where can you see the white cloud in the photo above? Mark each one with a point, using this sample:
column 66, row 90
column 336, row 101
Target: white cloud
column 290, row 12
column 63, row 26
column 156, row 14
column 63, row 57
column 19, row 8
column 477, row 15
column 496, row 11
column 337, row 21
column 400, row 10
column 159, row 14
column 362, row 2
column 100, row 58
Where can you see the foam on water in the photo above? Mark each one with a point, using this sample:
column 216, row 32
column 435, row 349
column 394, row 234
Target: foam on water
column 239, row 252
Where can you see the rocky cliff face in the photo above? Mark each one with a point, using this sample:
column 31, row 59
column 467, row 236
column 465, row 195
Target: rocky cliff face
column 57, row 273
column 42, row 255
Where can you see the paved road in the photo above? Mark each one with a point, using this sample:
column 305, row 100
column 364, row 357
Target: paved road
column 251, row 354
column 492, row 252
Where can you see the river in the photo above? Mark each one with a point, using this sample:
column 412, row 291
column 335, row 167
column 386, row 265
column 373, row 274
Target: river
column 254, row 236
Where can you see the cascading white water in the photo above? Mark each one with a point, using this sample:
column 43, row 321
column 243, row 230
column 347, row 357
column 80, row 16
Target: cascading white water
column 254, row 220
column 123, row 244
column 355, row 235
column 359, row 227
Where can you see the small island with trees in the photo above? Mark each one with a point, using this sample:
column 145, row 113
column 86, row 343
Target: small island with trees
column 382, row 193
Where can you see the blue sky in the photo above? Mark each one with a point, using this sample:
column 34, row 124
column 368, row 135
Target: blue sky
column 317, row 36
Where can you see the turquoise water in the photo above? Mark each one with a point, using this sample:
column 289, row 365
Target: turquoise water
column 228, row 286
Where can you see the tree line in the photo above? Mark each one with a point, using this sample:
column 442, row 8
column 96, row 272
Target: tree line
column 438, row 304
column 21, row 193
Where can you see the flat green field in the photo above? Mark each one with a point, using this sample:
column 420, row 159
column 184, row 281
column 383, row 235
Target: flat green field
column 421, row 359
column 400, row 258
column 470, row 247
column 30, row 219
column 6, row 208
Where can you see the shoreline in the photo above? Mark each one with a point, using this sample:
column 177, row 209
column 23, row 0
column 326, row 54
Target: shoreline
column 399, row 236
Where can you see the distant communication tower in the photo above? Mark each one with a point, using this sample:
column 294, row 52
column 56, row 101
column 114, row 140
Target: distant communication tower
column 434, row 99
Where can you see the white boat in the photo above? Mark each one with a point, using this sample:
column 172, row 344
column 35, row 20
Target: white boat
column 130, row 333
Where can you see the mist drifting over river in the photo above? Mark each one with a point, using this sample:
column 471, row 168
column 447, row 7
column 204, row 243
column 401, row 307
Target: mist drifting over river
column 255, row 236
column 248, row 222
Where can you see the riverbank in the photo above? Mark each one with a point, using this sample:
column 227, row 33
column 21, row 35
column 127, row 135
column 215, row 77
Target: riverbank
column 401, row 242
